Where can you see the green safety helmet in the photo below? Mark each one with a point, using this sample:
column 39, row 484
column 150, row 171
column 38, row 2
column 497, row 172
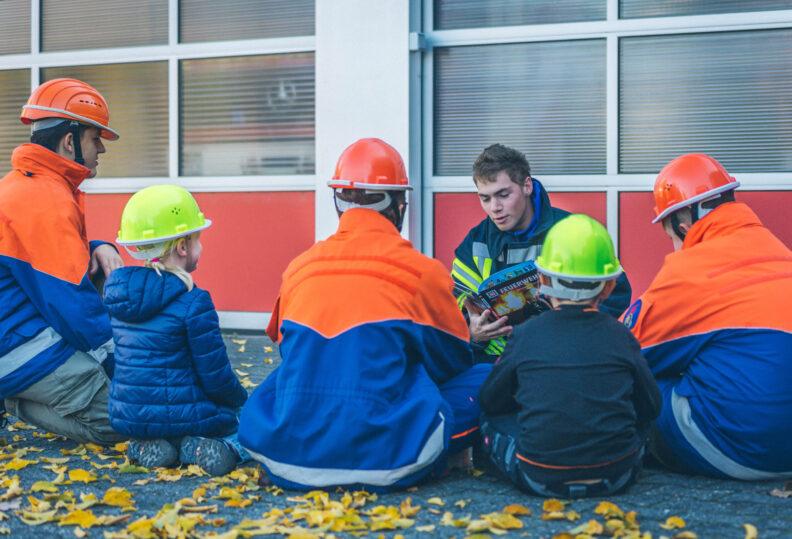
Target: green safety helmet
column 577, row 251
column 156, row 215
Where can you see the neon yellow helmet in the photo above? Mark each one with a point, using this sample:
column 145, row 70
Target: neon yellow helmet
column 156, row 215
column 577, row 250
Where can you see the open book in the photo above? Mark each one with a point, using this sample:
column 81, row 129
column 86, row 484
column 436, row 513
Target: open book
column 512, row 292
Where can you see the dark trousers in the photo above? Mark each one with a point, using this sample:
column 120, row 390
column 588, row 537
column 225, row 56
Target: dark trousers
column 500, row 435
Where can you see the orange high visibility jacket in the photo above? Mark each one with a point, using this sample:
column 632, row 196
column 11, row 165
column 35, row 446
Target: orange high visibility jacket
column 48, row 306
column 368, row 329
column 717, row 322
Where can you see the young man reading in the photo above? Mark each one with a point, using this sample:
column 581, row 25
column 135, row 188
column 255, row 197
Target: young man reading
column 519, row 214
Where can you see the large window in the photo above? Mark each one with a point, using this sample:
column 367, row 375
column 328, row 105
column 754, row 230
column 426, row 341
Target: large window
column 14, row 91
column 137, row 95
column 210, row 20
column 87, row 24
column 15, row 15
column 452, row 14
column 248, row 115
column 728, row 94
column 663, row 8
column 546, row 99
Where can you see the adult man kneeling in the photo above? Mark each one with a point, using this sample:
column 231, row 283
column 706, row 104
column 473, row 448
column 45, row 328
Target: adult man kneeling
column 714, row 326
column 377, row 386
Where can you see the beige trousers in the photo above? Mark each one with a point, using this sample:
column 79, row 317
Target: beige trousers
column 71, row 401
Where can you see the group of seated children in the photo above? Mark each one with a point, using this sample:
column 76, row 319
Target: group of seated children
column 565, row 411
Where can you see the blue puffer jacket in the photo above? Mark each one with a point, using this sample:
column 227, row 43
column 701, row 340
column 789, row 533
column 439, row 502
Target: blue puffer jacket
column 172, row 375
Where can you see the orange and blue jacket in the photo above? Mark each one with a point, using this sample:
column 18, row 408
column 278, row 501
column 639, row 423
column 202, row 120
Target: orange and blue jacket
column 48, row 307
column 368, row 329
column 715, row 323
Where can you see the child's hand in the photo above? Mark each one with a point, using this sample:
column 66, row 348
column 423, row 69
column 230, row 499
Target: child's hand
column 483, row 328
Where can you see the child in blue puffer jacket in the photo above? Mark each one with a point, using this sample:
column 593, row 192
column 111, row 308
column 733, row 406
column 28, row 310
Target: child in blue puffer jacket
column 173, row 392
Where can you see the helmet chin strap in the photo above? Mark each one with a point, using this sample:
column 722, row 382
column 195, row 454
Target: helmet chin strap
column 74, row 129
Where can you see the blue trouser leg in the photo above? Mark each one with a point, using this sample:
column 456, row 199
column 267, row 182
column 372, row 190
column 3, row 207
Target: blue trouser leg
column 461, row 394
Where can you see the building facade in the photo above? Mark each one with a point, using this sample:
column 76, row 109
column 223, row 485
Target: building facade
column 248, row 103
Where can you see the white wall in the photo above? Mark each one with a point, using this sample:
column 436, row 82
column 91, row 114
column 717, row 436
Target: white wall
column 362, row 85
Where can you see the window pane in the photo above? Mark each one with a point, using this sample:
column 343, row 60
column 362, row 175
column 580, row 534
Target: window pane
column 137, row 95
column 250, row 115
column 630, row 9
column 545, row 99
column 210, row 20
column 727, row 94
column 14, row 92
column 87, row 24
column 451, row 14
column 15, row 15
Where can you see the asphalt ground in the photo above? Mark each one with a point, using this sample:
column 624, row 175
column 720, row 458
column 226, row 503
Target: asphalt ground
column 51, row 497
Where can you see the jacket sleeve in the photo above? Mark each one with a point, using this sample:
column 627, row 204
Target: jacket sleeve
column 49, row 261
column 464, row 273
column 497, row 393
column 443, row 338
column 209, row 356
column 619, row 300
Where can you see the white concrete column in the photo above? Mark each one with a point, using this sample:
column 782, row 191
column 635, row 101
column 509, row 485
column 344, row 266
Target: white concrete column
column 362, row 85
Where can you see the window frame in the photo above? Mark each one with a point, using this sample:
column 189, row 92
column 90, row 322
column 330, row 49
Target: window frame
column 612, row 29
column 173, row 52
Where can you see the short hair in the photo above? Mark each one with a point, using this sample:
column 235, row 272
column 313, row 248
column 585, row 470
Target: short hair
column 499, row 158
column 51, row 137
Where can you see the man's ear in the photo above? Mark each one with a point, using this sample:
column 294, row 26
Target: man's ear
column 528, row 186
column 66, row 144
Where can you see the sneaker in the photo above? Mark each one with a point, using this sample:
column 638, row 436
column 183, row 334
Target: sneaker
column 152, row 453
column 215, row 456
column 188, row 448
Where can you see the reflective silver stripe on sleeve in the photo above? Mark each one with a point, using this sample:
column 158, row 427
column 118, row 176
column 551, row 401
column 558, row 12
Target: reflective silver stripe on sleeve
column 325, row 477
column 27, row 351
column 523, row 254
column 709, row 452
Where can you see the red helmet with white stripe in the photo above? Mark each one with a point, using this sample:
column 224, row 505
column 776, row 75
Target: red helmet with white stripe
column 372, row 164
column 70, row 99
column 687, row 180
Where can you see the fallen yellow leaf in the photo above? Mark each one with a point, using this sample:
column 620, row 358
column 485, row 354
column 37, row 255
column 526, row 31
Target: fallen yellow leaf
column 83, row 476
column 425, row 529
column 552, row 505
column 592, row 527
column 84, row 519
column 119, row 497
column 673, row 523
column 43, row 486
column 685, row 535
column 750, row 531
column 517, row 509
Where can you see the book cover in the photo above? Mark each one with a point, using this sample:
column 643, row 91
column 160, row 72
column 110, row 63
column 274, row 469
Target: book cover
column 512, row 292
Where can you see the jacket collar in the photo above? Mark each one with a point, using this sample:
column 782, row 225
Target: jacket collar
column 33, row 160
column 722, row 221
column 364, row 219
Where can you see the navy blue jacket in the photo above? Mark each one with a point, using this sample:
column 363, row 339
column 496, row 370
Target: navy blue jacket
column 487, row 250
column 172, row 374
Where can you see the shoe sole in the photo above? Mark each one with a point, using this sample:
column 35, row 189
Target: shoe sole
column 215, row 457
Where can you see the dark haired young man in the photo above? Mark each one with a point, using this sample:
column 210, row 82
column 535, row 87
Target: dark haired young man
column 519, row 215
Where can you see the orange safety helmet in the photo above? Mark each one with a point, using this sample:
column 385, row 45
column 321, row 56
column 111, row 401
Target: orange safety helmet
column 687, row 180
column 70, row 99
column 370, row 163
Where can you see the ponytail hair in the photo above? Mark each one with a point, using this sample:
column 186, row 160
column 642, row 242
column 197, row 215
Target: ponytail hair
column 157, row 265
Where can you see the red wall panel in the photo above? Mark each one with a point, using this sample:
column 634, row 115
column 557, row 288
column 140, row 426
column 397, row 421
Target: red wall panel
column 456, row 213
column 643, row 246
column 252, row 239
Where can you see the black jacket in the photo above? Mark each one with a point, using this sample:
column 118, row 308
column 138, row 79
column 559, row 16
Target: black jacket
column 581, row 390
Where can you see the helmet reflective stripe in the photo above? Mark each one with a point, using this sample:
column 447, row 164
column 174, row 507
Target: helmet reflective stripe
column 46, row 123
column 344, row 205
column 558, row 290
column 351, row 184
column 156, row 250
column 79, row 118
